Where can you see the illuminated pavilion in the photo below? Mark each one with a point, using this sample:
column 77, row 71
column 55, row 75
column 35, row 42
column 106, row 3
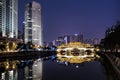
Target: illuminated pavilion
column 78, row 45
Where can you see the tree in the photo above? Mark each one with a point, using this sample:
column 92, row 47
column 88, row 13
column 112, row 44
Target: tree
column 112, row 37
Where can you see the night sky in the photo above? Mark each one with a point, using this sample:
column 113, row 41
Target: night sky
column 64, row 17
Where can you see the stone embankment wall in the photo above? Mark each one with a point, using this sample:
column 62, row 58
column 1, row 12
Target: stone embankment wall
column 112, row 64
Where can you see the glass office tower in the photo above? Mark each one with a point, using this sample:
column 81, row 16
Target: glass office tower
column 32, row 23
column 9, row 18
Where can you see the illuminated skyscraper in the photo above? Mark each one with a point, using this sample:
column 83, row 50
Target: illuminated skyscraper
column 9, row 18
column 33, row 28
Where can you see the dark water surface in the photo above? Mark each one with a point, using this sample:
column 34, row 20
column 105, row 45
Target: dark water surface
column 47, row 69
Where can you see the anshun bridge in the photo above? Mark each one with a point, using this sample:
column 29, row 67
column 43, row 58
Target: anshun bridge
column 78, row 54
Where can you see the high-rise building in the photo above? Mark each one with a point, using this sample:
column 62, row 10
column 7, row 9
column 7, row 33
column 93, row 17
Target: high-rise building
column 96, row 41
column 65, row 39
column 9, row 18
column 32, row 23
column 76, row 38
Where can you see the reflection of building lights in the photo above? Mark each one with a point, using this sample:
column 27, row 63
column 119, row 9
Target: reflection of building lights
column 3, row 76
column 76, row 52
column 7, row 65
column 75, row 59
column 39, row 59
column 13, row 66
column 29, row 77
column 11, row 75
column 37, row 70
column 35, row 65
column 77, row 66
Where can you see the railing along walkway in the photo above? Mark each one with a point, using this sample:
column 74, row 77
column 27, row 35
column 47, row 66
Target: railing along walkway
column 114, row 59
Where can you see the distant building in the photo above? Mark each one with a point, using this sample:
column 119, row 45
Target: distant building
column 89, row 41
column 54, row 42
column 32, row 23
column 76, row 38
column 96, row 41
column 60, row 40
column 65, row 39
column 9, row 18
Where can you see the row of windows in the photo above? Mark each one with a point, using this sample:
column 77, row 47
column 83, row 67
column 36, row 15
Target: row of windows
column 29, row 31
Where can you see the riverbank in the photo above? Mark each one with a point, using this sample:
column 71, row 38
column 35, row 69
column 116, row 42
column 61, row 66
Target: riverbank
column 25, row 55
column 111, row 69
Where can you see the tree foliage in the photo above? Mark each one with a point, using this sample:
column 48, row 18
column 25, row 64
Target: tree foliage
column 112, row 37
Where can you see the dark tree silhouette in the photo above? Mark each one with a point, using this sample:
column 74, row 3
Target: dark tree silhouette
column 112, row 39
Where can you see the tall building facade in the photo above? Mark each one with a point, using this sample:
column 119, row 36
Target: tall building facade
column 32, row 23
column 9, row 18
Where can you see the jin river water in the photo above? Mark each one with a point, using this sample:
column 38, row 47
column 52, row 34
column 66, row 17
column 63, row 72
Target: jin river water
column 51, row 68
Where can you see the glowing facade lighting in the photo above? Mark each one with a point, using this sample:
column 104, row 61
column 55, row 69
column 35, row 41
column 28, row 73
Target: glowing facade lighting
column 33, row 28
column 9, row 18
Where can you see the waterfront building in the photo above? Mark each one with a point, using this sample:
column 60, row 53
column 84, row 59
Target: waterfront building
column 32, row 23
column 76, row 50
column 9, row 18
column 78, row 45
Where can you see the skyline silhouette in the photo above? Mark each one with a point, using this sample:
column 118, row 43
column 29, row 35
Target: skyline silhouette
column 64, row 17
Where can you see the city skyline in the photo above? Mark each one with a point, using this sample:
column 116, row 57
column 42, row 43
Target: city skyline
column 59, row 17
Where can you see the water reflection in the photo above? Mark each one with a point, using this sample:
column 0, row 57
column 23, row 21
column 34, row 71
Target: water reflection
column 52, row 68
column 75, row 59
column 21, row 70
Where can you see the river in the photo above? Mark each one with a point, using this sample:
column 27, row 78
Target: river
column 51, row 68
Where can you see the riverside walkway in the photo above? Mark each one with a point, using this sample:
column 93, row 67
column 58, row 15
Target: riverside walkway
column 112, row 62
